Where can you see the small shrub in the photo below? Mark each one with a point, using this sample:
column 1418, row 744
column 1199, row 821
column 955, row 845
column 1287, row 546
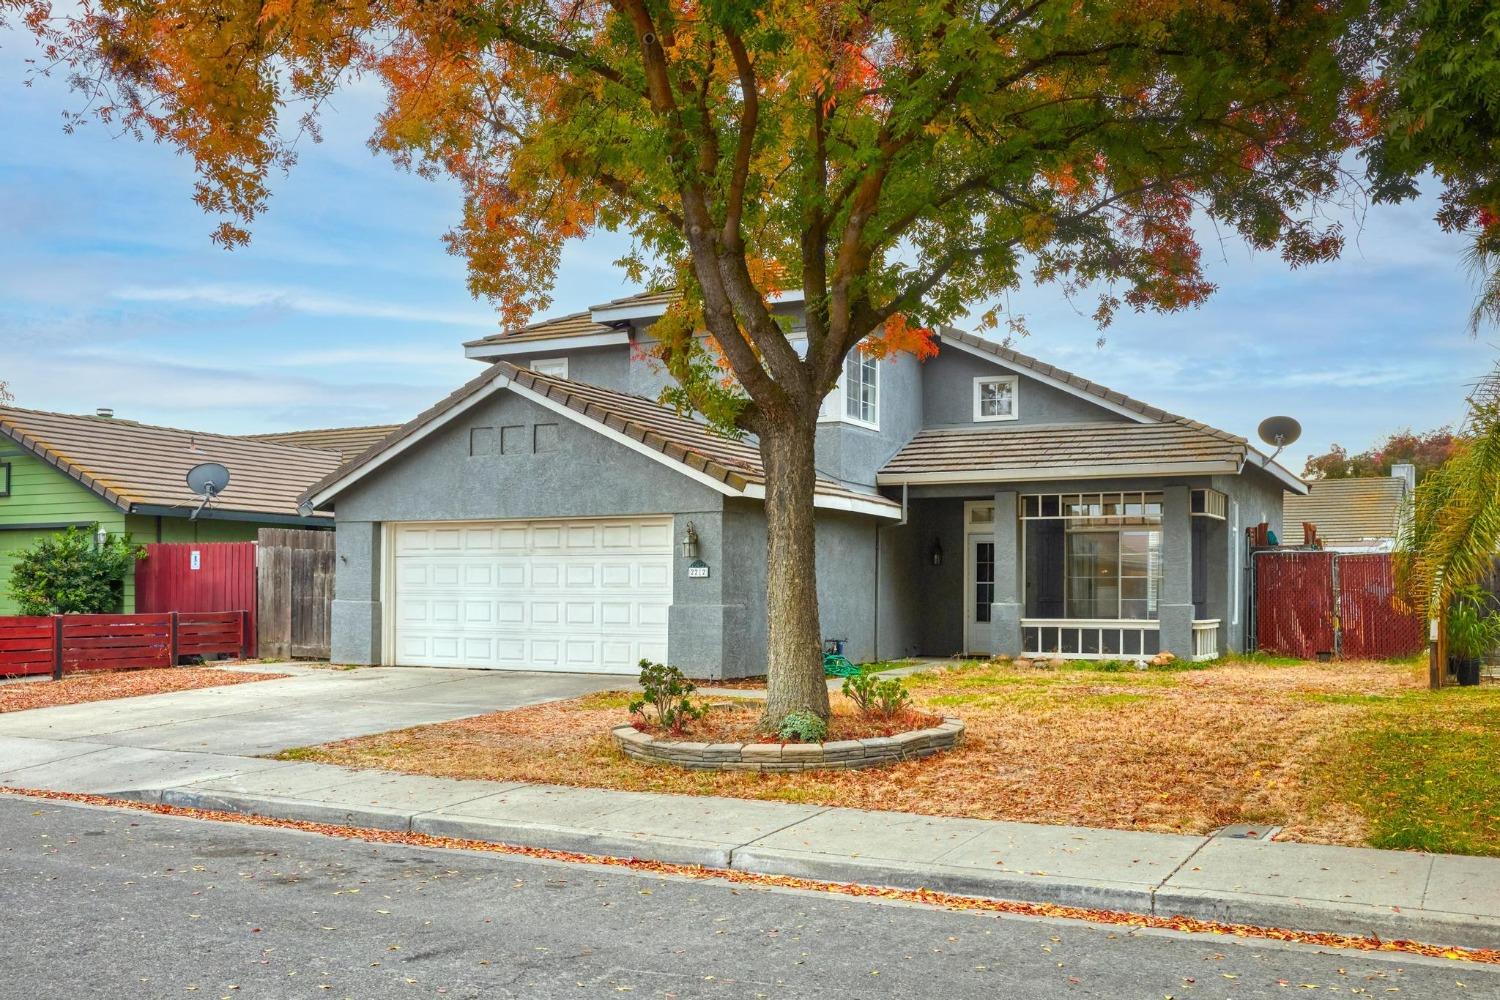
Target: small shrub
column 71, row 573
column 804, row 727
column 877, row 696
column 666, row 691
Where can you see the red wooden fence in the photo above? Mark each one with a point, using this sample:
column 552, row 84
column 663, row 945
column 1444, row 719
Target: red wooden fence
column 223, row 577
column 1316, row 602
column 64, row 644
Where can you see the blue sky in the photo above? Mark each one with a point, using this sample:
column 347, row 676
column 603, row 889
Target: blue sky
column 346, row 309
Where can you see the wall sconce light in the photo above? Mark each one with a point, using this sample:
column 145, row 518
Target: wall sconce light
column 935, row 554
column 690, row 542
column 101, row 536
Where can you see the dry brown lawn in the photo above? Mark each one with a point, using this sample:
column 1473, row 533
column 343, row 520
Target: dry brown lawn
column 17, row 696
column 1173, row 750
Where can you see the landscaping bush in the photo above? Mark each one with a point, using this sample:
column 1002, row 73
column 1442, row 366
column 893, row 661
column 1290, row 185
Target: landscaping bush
column 70, row 573
column 883, row 697
column 804, row 727
column 666, row 691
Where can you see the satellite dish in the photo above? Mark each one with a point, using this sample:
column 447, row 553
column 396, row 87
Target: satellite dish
column 1278, row 432
column 208, row 480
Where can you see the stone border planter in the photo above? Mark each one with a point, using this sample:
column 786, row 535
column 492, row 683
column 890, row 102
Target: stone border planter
column 782, row 757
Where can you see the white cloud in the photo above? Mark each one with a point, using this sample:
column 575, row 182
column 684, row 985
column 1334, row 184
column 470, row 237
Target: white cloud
column 303, row 301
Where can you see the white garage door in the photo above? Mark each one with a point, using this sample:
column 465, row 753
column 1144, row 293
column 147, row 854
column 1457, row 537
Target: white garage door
column 586, row 595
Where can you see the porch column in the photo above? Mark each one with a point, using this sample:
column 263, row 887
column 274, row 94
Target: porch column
column 1005, row 612
column 1176, row 608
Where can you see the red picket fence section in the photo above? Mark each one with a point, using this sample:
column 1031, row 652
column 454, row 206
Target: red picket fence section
column 225, row 577
column 1294, row 603
column 1371, row 623
column 1309, row 603
column 64, row 644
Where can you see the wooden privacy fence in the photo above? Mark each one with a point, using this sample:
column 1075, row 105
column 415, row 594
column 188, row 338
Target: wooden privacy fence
column 64, row 644
column 295, row 570
column 197, row 576
column 1311, row 603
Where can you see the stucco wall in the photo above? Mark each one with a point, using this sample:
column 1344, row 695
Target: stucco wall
column 852, row 453
column 948, row 395
column 604, row 366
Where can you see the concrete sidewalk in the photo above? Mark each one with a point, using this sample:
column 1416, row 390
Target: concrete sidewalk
column 199, row 749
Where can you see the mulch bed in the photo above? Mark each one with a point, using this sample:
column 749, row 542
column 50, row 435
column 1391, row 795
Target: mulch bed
column 75, row 689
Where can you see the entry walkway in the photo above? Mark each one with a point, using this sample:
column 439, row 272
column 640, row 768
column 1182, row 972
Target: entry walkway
column 199, row 749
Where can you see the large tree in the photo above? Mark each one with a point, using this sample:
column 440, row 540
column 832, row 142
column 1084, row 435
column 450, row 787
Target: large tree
column 1435, row 108
column 1426, row 450
column 898, row 161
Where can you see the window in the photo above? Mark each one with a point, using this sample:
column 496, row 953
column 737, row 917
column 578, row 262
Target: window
column 995, row 397
column 551, row 366
column 1113, row 574
column 862, row 388
column 4, row 479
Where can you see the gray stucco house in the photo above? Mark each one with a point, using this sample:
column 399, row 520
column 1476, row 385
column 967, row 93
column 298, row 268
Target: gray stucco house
column 550, row 515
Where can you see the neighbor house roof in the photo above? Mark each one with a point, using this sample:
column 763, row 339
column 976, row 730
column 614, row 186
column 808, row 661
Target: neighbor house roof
column 1063, row 451
column 141, row 468
column 729, row 466
column 348, row 442
column 1348, row 511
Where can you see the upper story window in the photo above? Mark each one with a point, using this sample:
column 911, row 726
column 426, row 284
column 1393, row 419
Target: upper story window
column 995, row 397
column 862, row 388
column 557, row 367
column 4, row 479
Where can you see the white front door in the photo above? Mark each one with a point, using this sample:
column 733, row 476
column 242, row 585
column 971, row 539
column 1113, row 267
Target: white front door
column 575, row 594
column 979, row 592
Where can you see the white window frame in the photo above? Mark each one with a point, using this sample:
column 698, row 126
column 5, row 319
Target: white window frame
column 844, row 413
column 835, row 406
column 550, row 366
column 1015, row 397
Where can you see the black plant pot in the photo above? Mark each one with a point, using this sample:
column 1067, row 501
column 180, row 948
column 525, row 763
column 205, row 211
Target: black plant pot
column 1467, row 670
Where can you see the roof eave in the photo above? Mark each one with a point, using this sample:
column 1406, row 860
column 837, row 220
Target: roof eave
column 1043, row 473
column 78, row 475
column 491, row 350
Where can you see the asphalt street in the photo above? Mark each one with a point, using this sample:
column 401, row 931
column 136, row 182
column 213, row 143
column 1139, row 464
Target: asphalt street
column 119, row 903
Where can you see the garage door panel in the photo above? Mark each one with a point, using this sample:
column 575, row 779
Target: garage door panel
column 541, row 595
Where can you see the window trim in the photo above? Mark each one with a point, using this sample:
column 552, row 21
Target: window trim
column 4, row 479
column 844, row 414
column 1015, row 397
column 563, row 361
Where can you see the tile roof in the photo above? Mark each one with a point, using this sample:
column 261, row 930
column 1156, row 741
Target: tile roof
column 1069, row 450
column 736, row 464
column 1347, row 510
column 132, row 464
column 348, row 442
column 572, row 325
column 578, row 324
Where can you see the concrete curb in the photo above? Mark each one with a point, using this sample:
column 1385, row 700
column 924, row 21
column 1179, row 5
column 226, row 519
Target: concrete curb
column 1147, row 898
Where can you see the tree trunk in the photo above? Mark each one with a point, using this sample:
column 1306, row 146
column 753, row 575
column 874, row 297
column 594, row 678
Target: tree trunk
column 795, row 647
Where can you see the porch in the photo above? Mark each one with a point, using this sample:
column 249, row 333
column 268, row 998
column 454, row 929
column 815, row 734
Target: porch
column 1099, row 574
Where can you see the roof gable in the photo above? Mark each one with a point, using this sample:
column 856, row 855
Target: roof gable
column 728, row 466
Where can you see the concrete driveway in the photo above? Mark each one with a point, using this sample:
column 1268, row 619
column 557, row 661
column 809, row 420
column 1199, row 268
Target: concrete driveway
column 104, row 743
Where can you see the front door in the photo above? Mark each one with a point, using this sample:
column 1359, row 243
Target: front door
column 979, row 593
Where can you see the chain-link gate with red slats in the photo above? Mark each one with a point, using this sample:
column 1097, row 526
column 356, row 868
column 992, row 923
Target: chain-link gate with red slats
column 1311, row 602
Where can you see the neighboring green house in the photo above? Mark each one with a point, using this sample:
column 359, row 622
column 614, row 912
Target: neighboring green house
column 58, row 470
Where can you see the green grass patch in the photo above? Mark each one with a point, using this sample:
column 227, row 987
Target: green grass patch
column 606, row 701
column 1263, row 659
column 1423, row 770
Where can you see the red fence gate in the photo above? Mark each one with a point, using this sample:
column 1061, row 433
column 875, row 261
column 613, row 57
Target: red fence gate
column 1311, row 602
column 1370, row 623
column 1294, row 613
column 197, row 576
